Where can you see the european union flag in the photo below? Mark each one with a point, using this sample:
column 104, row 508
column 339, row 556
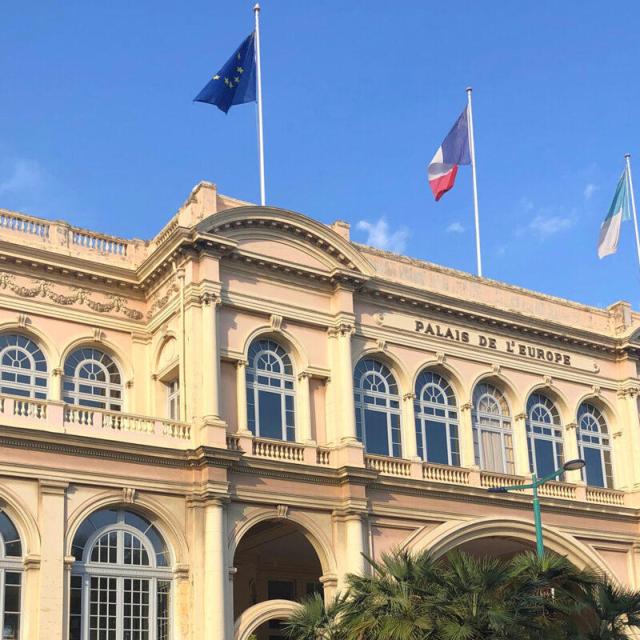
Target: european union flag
column 235, row 83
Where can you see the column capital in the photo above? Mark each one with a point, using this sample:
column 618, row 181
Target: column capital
column 341, row 330
column 410, row 395
column 520, row 416
column 209, row 298
column 304, row 375
column 240, row 363
column 570, row 426
column 466, row 406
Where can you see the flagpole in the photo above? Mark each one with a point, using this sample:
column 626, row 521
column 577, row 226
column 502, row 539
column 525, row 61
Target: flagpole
column 627, row 159
column 256, row 11
column 472, row 149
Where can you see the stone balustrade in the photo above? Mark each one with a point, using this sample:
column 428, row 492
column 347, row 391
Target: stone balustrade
column 61, row 237
column 388, row 466
column 444, row 473
column 57, row 417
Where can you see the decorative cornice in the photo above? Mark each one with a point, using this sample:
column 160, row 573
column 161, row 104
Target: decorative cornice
column 46, row 289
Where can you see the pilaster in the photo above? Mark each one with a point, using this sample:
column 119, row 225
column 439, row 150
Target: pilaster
column 520, row 445
column 409, row 443
column 303, row 410
column 241, row 397
column 467, row 453
column 51, row 519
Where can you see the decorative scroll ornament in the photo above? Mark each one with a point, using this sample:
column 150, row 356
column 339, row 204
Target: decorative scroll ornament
column 162, row 300
column 45, row 289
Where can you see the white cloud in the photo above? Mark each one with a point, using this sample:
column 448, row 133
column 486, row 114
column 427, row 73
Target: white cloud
column 380, row 236
column 455, row 227
column 19, row 176
column 589, row 190
column 545, row 226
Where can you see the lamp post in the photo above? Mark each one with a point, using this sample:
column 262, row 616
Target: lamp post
column 570, row 465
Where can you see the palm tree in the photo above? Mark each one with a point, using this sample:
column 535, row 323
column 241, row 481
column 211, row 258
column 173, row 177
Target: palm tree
column 464, row 597
column 612, row 612
column 314, row 620
column 393, row 602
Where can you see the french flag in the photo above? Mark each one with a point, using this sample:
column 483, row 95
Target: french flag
column 452, row 152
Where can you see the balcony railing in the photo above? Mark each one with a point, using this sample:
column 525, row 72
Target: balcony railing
column 57, row 417
column 49, row 415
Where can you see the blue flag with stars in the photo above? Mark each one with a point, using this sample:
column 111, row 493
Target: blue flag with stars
column 235, row 83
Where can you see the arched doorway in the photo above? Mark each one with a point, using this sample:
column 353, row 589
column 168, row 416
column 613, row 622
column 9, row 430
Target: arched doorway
column 274, row 561
column 500, row 547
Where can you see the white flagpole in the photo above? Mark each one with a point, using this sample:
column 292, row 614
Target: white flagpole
column 627, row 158
column 256, row 11
column 472, row 149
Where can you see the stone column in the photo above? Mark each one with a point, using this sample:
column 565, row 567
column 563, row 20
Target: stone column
column 467, row 453
column 212, row 428
column 51, row 519
column 342, row 380
column 571, row 452
column 630, row 438
column 520, row 446
column 215, row 571
column 303, row 410
column 241, row 397
column 210, row 391
column 55, row 385
column 409, row 443
column 354, row 545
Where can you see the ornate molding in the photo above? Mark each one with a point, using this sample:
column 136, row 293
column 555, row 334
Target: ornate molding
column 343, row 329
column 466, row 406
column 440, row 357
column 45, row 289
column 208, row 298
column 520, row 416
column 409, row 396
column 381, row 344
column 23, row 320
column 275, row 321
column 571, row 426
column 282, row 510
column 548, row 380
column 161, row 300
column 128, row 495
column 595, row 389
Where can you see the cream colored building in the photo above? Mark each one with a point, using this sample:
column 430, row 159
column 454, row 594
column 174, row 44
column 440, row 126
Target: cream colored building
column 199, row 429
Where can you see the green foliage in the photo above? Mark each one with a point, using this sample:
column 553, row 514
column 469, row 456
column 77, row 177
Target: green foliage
column 463, row 597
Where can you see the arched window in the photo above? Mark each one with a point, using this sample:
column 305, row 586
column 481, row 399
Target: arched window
column 23, row 368
column 92, row 379
column 120, row 580
column 377, row 408
column 594, row 446
column 492, row 437
column 436, row 420
column 544, row 435
column 10, row 579
column 270, row 391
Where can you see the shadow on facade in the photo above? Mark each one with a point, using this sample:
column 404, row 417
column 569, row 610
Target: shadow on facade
column 274, row 561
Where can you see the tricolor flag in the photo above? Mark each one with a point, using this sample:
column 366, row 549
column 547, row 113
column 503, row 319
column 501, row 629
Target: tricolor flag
column 618, row 211
column 453, row 152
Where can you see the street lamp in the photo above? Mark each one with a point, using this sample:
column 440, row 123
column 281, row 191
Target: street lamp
column 570, row 465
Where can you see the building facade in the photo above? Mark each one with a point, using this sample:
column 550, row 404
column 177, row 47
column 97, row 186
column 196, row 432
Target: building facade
column 198, row 430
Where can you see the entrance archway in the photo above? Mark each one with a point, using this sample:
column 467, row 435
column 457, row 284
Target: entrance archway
column 513, row 534
column 275, row 563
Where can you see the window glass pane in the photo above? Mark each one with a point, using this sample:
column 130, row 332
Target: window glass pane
column 281, row 590
column 545, row 462
column 136, row 605
column 270, row 414
column 492, row 451
column 593, row 469
column 437, row 442
column 377, row 437
column 162, row 612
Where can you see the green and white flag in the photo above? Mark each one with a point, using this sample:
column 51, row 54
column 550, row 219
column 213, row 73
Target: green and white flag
column 618, row 211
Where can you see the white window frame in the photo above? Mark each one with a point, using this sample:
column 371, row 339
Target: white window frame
column 34, row 390
column 11, row 564
column 385, row 379
column 172, row 390
column 499, row 423
column 87, row 569
column 76, row 396
column 554, row 425
column 597, row 417
column 425, row 411
column 254, row 386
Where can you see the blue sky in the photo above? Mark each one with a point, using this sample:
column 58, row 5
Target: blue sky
column 97, row 124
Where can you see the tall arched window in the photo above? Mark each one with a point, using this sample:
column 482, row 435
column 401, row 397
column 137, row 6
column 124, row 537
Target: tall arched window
column 10, row 579
column 92, row 379
column 594, row 446
column 270, row 391
column 120, row 580
column 492, row 436
column 23, row 368
column 377, row 408
column 544, row 435
column 436, row 420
